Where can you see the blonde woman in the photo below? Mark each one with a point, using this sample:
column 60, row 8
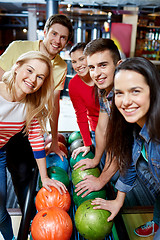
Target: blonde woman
column 25, row 91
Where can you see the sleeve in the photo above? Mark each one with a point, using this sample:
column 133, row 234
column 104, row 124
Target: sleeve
column 81, row 114
column 126, row 183
column 59, row 72
column 7, row 59
column 36, row 139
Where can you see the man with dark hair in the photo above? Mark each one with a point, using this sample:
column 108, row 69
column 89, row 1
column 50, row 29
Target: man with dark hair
column 57, row 32
column 102, row 57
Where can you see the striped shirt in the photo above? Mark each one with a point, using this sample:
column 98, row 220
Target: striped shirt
column 12, row 121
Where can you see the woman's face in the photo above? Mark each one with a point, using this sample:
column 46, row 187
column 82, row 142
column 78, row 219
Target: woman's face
column 30, row 77
column 79, row 63
column 132, row 96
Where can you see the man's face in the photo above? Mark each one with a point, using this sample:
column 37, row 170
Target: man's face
column 102, row 67
column 55, row 39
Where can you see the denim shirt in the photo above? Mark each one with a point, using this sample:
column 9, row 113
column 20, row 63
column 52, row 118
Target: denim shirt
column 126, row 183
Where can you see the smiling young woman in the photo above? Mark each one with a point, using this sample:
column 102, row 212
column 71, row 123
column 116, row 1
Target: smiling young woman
column 133, row 135
column 26, row 101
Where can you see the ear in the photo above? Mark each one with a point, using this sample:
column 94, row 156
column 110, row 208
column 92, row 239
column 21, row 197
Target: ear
column 120, row 61
column 45, row 33
column 16, row 68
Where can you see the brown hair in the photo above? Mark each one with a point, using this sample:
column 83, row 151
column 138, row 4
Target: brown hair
column 61, row 19
column 100, row 45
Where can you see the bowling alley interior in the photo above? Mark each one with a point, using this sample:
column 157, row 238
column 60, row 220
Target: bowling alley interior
column 134, row 26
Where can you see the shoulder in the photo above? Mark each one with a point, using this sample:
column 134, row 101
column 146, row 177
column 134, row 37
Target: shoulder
column 75, row 81
column 26, row 44
column 58, row 61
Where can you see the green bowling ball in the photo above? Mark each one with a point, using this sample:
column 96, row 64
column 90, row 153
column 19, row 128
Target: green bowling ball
column 79, row 157
column 92, row 224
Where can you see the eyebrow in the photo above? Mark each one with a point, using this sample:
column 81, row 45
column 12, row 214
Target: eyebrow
column 34, row 69
column 98, row 64
column 133, row 88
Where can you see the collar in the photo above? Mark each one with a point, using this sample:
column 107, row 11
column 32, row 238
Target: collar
column 102, row 93
column 144, row 133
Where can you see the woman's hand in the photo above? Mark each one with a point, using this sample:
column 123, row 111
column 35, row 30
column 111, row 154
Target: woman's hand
column 53, row 147
column 86, row 163
column 113, row 206
column 47, row 182
column 84, row 149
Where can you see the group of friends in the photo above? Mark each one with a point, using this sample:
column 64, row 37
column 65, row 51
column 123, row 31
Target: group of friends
column 117, row 107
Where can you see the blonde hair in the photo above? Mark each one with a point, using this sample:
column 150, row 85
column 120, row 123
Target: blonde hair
column 40, row 103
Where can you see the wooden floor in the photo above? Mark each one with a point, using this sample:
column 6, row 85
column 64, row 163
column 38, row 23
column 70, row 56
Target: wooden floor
column 134, row 220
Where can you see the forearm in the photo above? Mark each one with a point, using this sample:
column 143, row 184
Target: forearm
column 100, row 144
column 108, row 171
column 41, row 162
column 55, row 116
column 120, row 198
column 85, row 132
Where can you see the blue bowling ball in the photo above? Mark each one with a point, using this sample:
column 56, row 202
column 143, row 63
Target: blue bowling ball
column 53, row 159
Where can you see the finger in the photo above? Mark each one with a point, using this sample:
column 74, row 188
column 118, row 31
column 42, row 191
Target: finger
column 110, row 218
column 86, row 193
column 61, row 156
column 47, row 187
column 84, row 154
column 78, row 164
column 81, row 191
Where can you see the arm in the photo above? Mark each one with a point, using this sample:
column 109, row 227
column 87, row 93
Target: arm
column 91, row 183
column 77, row 97
column 54, row 127
column 37, row 143
column 100, row 135
column 113, row 206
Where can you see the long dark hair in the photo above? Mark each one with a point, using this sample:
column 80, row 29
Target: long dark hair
column 119, row 132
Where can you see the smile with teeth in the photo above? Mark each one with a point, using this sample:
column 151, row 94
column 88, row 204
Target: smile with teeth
column 55, row 46
column 29, row 84
column 81, row 69
column 100, row 80
column 128, row 110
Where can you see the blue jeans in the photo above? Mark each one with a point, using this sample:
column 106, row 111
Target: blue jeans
column 94, row 144
column 103, row 159
column 5, row 220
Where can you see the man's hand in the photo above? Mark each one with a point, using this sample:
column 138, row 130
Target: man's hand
column 83, row 149
column 55, row 148
column 86, row 163
column 89, row 184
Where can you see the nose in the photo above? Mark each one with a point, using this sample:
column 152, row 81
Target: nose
column 78, row 64
column 33, row 77
column 127, row 100
column 97, row 72
column 58, row 39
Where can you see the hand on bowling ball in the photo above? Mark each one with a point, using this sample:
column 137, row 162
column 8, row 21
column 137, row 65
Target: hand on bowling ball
column 112, row 206
column 84, row 149
column 47, row 182
column 53, row 147
column 86, row 163
column 88, row 185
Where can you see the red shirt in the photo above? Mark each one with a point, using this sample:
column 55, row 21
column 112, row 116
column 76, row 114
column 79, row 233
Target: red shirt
column 86, row 107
